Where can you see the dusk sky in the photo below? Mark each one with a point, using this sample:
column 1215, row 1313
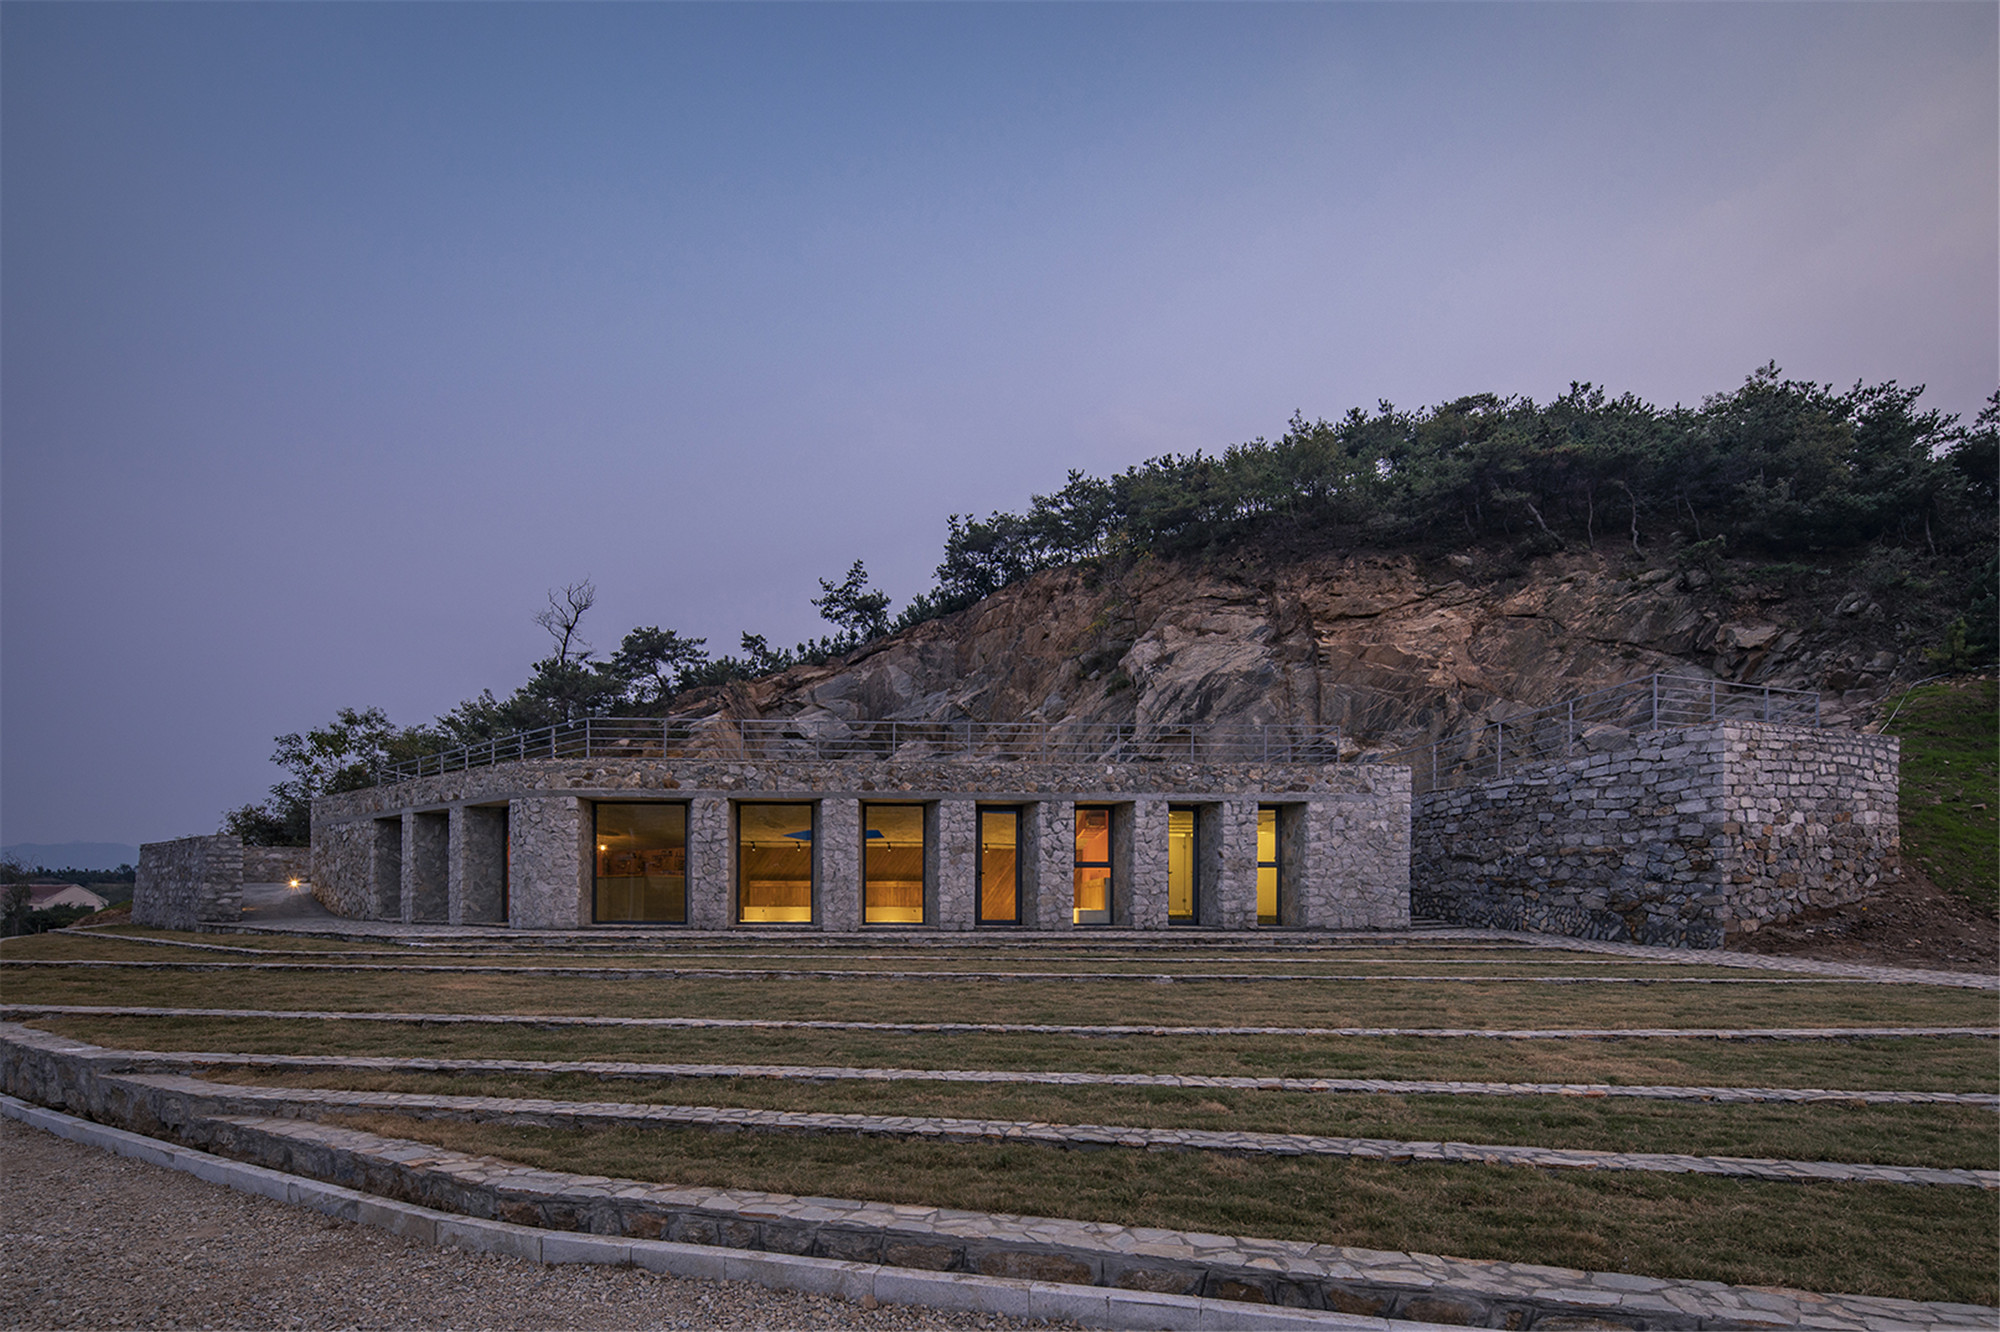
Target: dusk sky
column 333, row 336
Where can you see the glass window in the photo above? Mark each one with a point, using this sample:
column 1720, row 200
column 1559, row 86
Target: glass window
column 1183, row 866
column 774, row 864
column 641, row 863
column 1267, row 865
column 999, row 866
column 1092, row 902
column 892, row 857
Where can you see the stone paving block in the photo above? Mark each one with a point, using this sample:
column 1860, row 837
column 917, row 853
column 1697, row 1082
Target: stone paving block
column 809, row 1276
column 695, row 1261
column 1089, row 1305
column 954, row 1290
column 491, row 1237
column 415, row 1223
column 575, row 1248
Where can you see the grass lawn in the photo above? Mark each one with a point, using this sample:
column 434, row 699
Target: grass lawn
column 1964, row 1064
column 1311, row 1003
column 1867, row 1239
column 1955, row 1136
column 1950, row 793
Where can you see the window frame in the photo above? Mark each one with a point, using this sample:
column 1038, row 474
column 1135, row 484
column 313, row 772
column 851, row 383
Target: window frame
column 736, row 846
column 924, row 864
column 980, row 919
column 596, row 806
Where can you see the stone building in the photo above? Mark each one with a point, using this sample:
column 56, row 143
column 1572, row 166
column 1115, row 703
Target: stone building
column 633, row 825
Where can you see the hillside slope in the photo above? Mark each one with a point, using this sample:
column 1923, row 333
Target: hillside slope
column 1391, row 647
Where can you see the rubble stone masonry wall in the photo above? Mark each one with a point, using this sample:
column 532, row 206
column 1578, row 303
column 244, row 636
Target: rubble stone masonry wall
column 1680, row 837
column 408, row 849
column 183, row 883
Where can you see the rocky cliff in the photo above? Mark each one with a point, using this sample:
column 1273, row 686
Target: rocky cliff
column 1392, row 648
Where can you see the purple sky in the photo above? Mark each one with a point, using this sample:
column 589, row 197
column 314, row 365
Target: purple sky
column 333, row 336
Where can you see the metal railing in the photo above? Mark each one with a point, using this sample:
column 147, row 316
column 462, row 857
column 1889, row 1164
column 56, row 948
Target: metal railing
column 1578, row 725
column 824, row 738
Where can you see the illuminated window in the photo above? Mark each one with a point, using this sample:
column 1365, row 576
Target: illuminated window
column 892, row 859
column 1268, row 877
column 774, row 864
column 1183, row 867
column 999, row 866
column 1092, row 901
column 641, row 864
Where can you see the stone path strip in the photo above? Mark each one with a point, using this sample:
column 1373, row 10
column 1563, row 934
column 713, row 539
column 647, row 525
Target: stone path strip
column 12, row 1011
column 361, row 931
column 210, row 1098
column 657, row 1225
column 615, row 1069
column 857, row 973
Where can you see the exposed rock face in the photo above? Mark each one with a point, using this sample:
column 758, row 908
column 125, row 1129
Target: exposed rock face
column 1392, row 648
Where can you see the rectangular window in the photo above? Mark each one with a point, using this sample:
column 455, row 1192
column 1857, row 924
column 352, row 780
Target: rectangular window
column 774, row 864
column 1092, row 901
column 892, row 858
column 641, row 864
column 1268, row 878
column 999, row 867
column 1183, row 867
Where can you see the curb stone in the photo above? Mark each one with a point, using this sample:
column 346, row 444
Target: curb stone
column 960, row 1291
column 16, row 1012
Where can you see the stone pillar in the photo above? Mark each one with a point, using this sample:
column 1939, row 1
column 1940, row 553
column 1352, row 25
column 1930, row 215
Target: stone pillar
column 1294, row 865
column 1139, row 869
column 951, row 865
column 711, row 893
column 1048, row 828
column 424, row 867
column 385, row 870
column 837, row 864
column 552, row 862
column 1229, row 856
column 476, row 865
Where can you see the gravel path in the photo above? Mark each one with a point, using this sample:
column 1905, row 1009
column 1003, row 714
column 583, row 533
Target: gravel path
column 92, row 1240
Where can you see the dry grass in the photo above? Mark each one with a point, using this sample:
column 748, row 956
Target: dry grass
column 1889, row 1240
column 1952, row 1136
column 171, row 947
column 1315, row 1003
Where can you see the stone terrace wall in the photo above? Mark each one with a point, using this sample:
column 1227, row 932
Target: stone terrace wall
column 1812, row 816
column 1679, row 837
column 183, row 883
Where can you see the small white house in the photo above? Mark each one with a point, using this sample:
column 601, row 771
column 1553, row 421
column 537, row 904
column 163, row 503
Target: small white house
column 41, row 896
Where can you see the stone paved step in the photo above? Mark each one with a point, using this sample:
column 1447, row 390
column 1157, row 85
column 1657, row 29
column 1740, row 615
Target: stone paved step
column 18, row 1010
column 858, row 973
column 211, row 1098
column 602, row 1068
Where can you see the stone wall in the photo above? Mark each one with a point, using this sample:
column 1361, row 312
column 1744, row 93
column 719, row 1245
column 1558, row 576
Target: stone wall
column 276, row 864
column 184, row 883
column 1681, row 837
column 410, row 851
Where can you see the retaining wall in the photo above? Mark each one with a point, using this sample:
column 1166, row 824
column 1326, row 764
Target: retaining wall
column 1680, row 837
column 183, row 883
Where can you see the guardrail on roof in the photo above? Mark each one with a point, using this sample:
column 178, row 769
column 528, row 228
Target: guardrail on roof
column 1562, row 730
column 825, row 738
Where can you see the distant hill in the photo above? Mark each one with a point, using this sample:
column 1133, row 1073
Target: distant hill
column 72, row 855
